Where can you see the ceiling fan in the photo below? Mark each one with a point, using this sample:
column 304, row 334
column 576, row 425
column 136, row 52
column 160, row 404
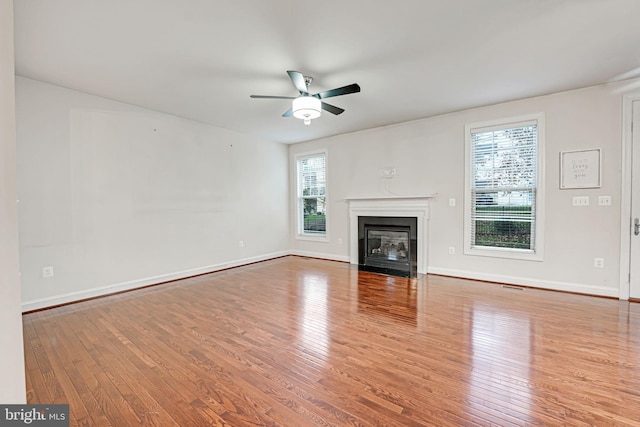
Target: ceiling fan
column 307, row 106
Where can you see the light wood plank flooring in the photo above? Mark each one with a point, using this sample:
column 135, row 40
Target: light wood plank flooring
column 303, row 342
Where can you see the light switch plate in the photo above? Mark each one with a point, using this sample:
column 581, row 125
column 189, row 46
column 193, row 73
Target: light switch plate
column 604, row 200
column 580, row 200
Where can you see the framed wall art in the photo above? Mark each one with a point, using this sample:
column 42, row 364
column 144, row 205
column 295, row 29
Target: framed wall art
column 580, row 169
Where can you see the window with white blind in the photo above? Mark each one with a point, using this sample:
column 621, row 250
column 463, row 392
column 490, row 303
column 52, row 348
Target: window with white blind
column 312, row 195
column 504, row 193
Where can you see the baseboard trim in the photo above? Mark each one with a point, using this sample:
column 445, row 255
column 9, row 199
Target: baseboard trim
column 330, row 257
column 577, row 288
column 67, row 298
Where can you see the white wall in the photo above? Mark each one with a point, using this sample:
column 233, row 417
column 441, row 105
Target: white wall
column 429, row 157
column 12, row 374
column 114, row 196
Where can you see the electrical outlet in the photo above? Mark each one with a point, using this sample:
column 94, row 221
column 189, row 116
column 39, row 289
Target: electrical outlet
column 604, row 200
column 452, row 202
column 339, row 240
column 580, row 200
column 452, row 250
column 241, row 244
column 47, row 272
column 598, row 262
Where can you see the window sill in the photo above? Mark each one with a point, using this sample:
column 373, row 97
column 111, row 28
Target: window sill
column 518, row 254
column 313, row 237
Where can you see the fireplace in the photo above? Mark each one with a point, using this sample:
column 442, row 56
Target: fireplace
column 388, row 245
column 396, row 234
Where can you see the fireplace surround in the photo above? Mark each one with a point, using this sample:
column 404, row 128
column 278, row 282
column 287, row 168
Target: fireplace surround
column 390, row 212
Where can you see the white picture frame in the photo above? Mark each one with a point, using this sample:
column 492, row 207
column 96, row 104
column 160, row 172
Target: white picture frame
column 580, row 169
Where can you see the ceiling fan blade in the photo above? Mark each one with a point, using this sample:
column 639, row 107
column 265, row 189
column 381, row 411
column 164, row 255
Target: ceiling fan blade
column 332, row 108
column 344, row 90
column 288, row 113
column 272, row 97
column 298, row 81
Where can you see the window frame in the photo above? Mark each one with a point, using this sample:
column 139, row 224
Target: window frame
column 299, row 202
column 537, row 254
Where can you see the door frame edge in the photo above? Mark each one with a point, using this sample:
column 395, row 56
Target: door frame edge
column 625, row 193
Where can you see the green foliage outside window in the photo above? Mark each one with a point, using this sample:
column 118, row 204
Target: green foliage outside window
column 501, row 233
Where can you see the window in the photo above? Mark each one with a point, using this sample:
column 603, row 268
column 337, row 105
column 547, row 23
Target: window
column 312, row 195
column 504, row 191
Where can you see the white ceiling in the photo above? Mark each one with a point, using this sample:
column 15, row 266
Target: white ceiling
column 201, row 59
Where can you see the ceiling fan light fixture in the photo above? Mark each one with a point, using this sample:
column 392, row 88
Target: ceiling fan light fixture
column 307, row 108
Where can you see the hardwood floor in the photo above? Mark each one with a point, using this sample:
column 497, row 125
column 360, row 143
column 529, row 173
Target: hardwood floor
column 302, row 342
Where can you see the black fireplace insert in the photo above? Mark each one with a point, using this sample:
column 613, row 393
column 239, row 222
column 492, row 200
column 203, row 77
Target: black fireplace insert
column 388, row 245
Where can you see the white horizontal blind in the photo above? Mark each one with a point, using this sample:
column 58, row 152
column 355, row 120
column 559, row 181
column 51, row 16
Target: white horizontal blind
column 312, row 184
column 503, row 187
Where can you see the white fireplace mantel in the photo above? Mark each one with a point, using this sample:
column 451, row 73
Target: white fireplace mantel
column 398, row 206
